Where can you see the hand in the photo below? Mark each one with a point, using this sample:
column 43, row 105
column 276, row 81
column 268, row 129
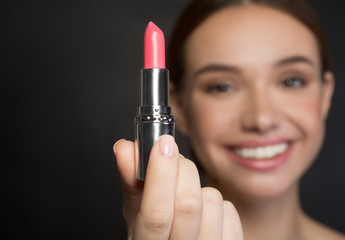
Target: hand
column 170, row 204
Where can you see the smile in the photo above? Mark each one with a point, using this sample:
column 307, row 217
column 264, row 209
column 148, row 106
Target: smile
column 261, row 156
column 268, row 151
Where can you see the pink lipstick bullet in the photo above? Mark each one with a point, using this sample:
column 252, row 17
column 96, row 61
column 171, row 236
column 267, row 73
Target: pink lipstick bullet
column 154, row 47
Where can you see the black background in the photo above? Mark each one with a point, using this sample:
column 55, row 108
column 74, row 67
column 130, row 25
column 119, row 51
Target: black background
column 70, row 86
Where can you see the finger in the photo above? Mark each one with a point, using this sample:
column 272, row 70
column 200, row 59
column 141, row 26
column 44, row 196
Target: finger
column 232, row 228
column 132, row 189
column 188, row 202
column 212, row 214
column 124, row 153
column 156, row 212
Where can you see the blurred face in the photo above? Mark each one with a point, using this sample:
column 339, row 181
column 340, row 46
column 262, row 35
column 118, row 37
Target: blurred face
column 253, row 102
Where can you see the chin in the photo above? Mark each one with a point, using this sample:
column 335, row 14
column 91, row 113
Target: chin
column 251, row 189
column 253, row 192
column 249, row 185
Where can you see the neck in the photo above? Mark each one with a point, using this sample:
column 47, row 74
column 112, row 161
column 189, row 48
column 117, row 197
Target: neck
column 278, row 217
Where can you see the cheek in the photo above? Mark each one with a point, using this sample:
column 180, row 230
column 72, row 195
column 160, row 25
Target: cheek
column 314, row 127
column 305, row 113
column 303, row 116
column 312, row 117
column 209, row 121
column 209, row 118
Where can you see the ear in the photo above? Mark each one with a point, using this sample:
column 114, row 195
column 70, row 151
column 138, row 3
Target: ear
column 327, row 92
column 179, row 110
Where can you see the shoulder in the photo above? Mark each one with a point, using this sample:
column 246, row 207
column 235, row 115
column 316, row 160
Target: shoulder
column 315, row 230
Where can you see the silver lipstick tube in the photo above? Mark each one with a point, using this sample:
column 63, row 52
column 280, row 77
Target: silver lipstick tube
column 154, row 117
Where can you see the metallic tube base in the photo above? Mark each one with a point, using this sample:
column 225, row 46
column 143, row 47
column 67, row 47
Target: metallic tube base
column 147, row 134
column 153, row 116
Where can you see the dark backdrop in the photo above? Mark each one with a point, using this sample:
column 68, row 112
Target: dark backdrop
column 70, row 86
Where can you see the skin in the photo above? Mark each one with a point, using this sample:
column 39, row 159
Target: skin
column 172, row 204
column 258, row 106
column 253, row 75
column 267, row 85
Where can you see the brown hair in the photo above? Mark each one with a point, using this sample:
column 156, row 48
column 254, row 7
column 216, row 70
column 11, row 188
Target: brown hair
column 198, row 10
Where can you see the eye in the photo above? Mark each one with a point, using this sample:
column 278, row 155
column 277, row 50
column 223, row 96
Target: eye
column 292, row 82
column 221, row 88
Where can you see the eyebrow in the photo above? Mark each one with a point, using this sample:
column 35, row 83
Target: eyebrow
column 216, row 68
column 294, row 60
column 232, row 69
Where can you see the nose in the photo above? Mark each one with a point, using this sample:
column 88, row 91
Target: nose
column 260, row 115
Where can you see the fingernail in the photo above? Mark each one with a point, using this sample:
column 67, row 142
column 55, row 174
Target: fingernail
column 116, row 144
column 167, row 145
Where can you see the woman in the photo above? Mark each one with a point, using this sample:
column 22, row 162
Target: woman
column 251, row 88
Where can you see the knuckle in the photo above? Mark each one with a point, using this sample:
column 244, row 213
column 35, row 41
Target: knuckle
column 189, row 205
column 212, row 196
column 188, row 200
column 156, row 222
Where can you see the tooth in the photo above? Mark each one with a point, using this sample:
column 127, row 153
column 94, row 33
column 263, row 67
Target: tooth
column 275, row 149
column 251, row 152
column 268, row 152
column 246, row 152
column 261, row 152
column 238, row 152
column 283, row 147
column 271, row 152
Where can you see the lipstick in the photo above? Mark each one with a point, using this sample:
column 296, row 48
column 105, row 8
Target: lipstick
column 154, row 116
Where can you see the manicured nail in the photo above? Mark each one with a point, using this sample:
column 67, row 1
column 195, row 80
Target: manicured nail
column 167, row 145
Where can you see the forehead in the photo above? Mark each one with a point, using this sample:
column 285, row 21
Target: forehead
column 249, row 35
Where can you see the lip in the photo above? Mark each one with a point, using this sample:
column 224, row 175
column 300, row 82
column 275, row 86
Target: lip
column 264, row 164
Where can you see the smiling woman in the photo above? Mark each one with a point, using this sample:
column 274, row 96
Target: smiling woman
column 251, row 88
column 267, row 96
